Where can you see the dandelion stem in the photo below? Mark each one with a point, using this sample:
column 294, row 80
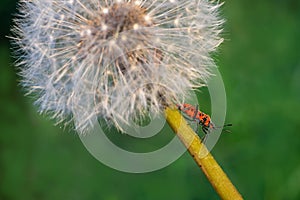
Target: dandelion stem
column 212, row 170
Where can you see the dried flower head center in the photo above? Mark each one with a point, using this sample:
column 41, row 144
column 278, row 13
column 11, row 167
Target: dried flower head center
column 123, row 30
column 121, row 17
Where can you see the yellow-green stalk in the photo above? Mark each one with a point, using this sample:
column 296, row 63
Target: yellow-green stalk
column 206, row 162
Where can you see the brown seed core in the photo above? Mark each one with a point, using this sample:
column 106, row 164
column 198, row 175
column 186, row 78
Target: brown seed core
column 121, row 17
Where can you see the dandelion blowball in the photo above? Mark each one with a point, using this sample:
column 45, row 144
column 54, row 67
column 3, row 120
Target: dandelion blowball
column 114, row 59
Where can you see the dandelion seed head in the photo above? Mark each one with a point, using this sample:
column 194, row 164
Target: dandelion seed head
column 116, row 59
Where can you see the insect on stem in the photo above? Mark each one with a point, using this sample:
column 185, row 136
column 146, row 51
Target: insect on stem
column 202, row 119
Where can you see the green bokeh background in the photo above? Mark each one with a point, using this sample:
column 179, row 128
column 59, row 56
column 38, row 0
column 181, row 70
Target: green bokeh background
column 260, row 65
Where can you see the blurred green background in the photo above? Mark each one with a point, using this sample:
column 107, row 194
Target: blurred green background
column 260, row 64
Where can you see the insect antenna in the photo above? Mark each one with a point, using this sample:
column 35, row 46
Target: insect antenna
column 226, row 125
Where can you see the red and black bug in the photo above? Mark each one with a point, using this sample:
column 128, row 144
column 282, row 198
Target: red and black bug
column 201, row 118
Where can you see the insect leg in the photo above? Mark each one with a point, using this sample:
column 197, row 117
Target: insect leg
column 206, row 132
column 196, row 111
